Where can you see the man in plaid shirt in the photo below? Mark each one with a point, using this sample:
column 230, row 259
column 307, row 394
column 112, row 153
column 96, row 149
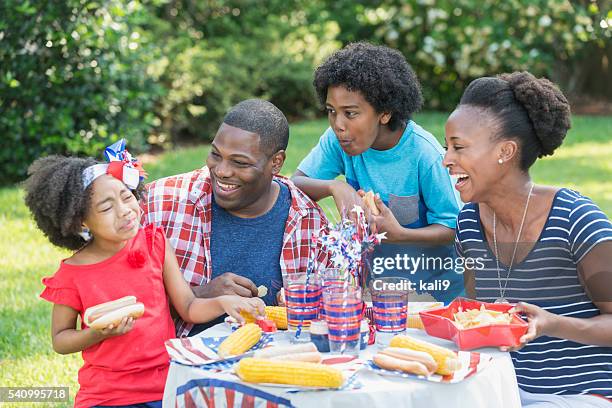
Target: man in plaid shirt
column 240, row 183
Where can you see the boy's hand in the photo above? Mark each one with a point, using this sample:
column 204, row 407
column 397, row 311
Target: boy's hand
column 385, row 221
column 346, row 198
column 233, row 305
column 125, row 326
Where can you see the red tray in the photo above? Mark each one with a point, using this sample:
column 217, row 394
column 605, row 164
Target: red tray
column 439, row 323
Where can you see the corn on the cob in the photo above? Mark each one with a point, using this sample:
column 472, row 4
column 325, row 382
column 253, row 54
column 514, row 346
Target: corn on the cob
column 415, row 322
column 447, row 360
column 240, row 341
column 289, row 372
column 278, row 314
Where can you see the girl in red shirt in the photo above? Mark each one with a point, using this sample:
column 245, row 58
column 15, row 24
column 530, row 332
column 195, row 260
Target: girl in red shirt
column 93, row 208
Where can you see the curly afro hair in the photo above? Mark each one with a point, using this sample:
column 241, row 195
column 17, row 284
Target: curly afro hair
column 381, row 74
column 527, row 109
column 57, row 200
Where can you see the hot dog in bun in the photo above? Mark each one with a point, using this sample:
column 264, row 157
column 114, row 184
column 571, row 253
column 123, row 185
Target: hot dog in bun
column 368, row 200
column 408, row 361
column 101, row 316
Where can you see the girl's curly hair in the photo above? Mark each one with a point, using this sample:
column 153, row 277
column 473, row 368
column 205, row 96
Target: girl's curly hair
column 57, row 200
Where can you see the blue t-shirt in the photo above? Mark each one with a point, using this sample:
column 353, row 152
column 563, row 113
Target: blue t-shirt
column 251, row 247
column 412, row 182
column 548, row 277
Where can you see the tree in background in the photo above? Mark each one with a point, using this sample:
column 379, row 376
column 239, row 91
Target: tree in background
column 77, row 75
column 218, row 52
column 72, row 80
column 451, row 42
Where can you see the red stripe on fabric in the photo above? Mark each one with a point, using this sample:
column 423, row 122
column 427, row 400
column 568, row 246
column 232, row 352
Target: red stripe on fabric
column 271, row 404
column 189, row 346
column 189, row 402
column 474, row 361
column 210, row 397
column 248, row 401
column 170, row 344
column 230, row 395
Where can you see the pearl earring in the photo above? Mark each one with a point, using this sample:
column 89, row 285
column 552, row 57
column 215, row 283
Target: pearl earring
column 500, row 161
column 85, row 234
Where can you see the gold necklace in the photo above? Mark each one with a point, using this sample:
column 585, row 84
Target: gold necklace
column 501, row 298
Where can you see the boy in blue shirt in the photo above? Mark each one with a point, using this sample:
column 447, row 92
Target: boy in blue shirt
column 370, row 93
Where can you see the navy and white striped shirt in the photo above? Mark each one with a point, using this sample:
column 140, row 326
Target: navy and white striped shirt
column 548, row 277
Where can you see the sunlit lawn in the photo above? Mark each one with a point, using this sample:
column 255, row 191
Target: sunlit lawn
column 26, row 357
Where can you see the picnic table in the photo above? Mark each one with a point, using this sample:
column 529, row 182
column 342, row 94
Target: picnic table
column 494, row 385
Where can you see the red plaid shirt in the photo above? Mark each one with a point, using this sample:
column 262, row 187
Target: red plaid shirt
column 182, row 206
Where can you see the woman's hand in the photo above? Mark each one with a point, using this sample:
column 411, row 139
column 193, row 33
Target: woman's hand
column 233, row 305
column 540, row 323
column 345, row 198
column 125, row 326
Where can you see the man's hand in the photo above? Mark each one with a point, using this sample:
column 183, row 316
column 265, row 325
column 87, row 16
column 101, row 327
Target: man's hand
column 227, row 284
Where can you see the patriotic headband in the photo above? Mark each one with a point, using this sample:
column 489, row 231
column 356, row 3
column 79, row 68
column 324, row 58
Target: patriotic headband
column 121, row 166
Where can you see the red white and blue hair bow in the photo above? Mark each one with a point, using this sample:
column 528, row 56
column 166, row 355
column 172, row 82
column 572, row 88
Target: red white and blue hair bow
column 121, row 165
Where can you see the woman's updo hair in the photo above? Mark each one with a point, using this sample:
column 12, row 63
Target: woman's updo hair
column 532, row 111
column 56, row 198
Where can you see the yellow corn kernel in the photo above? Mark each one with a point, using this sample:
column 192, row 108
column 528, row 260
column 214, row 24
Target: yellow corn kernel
column 240, row 341
column 447, row 360
column 278, row 314
column 415, row 322
column 258, row 370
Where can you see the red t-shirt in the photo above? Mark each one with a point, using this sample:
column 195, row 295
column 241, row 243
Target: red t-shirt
column 130, row 368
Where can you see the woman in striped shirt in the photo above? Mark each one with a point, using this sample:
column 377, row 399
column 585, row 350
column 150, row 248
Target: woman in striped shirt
column 545, row 248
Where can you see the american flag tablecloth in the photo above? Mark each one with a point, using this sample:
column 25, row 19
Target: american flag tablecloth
column 225, row 392
column 221, row 387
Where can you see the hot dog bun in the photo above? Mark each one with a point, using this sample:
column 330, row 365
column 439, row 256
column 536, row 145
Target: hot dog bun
column 296, row 352
column 369, row 202
column 102, row 315
column 412, row 355
column 396, row 364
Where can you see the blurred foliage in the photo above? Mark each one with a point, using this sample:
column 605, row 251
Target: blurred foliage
column 219, row 52
column 450, row 42
column 76, row 75
column 71, row 80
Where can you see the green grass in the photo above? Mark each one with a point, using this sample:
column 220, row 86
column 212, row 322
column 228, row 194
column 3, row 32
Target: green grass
column 26, row 357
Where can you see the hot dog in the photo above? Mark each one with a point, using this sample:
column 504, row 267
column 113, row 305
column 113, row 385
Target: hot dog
column 412, row 355
column 396, row 364
column 368, row 200
column 297, row 352
column 102, row 315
